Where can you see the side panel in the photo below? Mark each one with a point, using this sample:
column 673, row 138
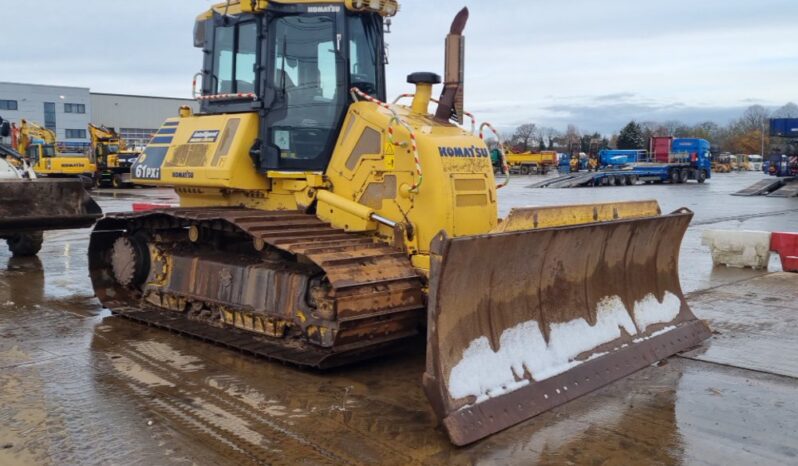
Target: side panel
column 204, row 150
column 457, row 194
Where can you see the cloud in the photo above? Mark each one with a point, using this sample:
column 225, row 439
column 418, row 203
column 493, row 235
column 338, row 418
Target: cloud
column 618, row 96
column 591, row 63
column 607, row 119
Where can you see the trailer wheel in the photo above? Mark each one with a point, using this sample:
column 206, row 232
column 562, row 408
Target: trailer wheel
column 674, row 176
column 620, row 180
column 627, row 180
column 25, row 244
column 702, row 176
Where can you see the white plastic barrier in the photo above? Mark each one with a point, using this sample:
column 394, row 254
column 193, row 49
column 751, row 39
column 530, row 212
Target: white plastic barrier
column 736, row 248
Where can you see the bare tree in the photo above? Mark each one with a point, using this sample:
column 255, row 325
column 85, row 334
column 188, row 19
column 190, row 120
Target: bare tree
column 548, row 137
column 524, row 136
column 572, row 134
column 789, row 110
column 754, row 118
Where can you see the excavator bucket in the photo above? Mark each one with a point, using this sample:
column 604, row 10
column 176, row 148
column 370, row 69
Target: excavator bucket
column 45, row 204
column 546, row 309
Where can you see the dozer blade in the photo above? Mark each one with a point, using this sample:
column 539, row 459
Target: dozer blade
column 523, row 321
column 45, row 204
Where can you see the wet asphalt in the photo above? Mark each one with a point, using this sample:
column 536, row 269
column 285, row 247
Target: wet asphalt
column 79, row 386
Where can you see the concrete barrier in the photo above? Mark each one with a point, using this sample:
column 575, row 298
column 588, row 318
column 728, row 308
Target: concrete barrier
column 735, row 248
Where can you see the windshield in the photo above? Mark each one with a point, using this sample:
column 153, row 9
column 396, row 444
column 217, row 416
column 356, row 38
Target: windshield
column 48, row 151
column 309, row 80
column 316, row 58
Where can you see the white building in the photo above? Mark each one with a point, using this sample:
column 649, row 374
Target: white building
column 66, row 110
column 69, row 110
column 135, row 118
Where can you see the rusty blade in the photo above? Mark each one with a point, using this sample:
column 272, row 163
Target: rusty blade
column 521, row 322
column 41, row 204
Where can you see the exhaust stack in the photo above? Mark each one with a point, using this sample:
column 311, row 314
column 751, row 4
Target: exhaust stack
column 451, row 101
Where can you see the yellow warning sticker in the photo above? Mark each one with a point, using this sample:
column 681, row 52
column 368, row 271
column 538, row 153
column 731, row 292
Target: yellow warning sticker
column 389, row 156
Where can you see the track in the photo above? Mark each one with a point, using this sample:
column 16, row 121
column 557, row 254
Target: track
column 281, row 285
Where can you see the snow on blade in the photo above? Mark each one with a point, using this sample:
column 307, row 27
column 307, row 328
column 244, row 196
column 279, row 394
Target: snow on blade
column 485, row 373
column 649, row 311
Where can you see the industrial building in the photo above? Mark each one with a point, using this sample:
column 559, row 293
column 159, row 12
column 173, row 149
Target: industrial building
column 69, row 110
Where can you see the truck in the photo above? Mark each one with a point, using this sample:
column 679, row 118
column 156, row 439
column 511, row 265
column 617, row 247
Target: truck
column 678, row 159
column 781, row 164
column 527, row 163
column 783, row 161
column 674, row 160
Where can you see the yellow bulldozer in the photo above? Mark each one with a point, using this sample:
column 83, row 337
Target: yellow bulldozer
column 319, row 226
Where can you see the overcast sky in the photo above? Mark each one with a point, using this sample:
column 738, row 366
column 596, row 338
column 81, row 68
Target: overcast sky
column 593, row 63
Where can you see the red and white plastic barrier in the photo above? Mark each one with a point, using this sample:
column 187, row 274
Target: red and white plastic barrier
column 738, row 248
column 786, row 245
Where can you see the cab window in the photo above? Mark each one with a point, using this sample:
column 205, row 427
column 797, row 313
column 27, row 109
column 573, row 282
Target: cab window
column 364, row 57
column 308, row 76
column 234, row 59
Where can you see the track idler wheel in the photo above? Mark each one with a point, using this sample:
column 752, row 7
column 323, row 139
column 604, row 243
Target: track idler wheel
column 130, row 260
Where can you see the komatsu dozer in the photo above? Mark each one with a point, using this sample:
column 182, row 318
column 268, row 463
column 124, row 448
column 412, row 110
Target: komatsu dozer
column 320, row 225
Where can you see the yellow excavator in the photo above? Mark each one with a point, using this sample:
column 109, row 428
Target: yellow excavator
column 112, row 156
column 37, row 144
column 320, row 225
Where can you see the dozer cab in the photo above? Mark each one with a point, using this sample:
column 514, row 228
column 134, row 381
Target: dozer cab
column 320, row 225
column 29, row 206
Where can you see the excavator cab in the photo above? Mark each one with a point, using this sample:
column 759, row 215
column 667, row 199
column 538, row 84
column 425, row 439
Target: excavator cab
column 295, row 65
column 39, row 151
